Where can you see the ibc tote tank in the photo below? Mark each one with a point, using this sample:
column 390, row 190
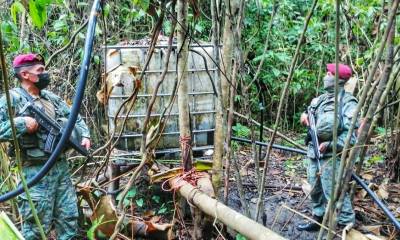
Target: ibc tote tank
column 124, row 63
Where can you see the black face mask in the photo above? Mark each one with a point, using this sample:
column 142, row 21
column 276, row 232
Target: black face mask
column 44, row 81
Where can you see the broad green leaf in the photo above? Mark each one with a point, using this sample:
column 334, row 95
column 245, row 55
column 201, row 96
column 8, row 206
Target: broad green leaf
column 38, row 13
column 203, row 165
column 241, row 130
column 140, row 202
column 163, row 209
column 142, row 4
column 156, row 198
column 127, row 200
column 131, row 193
column 44, row 2
column 106, row 10
column 16, row 8
column 91, row 232
column 240, row 237
column 96, row 59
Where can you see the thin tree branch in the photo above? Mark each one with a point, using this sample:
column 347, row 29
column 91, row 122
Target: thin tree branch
column 260, row 200
column 67, row 45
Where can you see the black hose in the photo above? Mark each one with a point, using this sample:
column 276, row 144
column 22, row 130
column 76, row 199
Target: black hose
column 75, row 107
column 265, row 144
column 387, row 212
column 376, row 199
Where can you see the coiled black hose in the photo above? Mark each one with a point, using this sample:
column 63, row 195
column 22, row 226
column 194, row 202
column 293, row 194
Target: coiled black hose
column 74, row 110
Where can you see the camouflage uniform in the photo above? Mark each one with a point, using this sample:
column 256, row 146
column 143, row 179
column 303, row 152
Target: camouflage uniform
column 54, row 196
column 323, row 107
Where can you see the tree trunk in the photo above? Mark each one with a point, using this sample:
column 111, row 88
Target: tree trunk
column 183, row 98
column 231, row 8
column 236, row 24
column 219, row 115
column 184, row 114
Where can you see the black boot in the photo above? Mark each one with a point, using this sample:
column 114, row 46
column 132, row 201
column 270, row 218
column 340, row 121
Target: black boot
column 310, row 226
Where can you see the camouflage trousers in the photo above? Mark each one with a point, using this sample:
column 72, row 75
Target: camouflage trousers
column 55, row 202
column 322, row 187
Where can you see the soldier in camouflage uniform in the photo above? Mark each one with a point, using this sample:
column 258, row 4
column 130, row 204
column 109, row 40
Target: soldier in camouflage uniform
column 323, row 108
column 54, row 196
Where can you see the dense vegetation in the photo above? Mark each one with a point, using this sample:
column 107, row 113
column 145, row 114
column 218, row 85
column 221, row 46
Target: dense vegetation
column 49, row 25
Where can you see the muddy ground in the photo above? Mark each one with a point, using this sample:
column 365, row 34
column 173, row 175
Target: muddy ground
column 285, row 177
column 283, row 188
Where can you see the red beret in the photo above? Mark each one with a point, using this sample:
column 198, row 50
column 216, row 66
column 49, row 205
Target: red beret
column 344, row 70
column 30, row 59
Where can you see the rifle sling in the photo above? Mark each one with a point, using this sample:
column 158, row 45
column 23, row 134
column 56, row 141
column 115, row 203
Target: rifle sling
column 50, row 138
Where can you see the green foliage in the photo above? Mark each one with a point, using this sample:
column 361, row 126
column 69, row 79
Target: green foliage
column 91, row 233
column 16, row 8
column 156, row 198
column 241, row 130
column 141, row 4
column 373, row 160
column 240, row 237
column 38, row 11
column 380, row 131
column 139, row 202
column 163, row 209
column 129, row 196
column 317, row 49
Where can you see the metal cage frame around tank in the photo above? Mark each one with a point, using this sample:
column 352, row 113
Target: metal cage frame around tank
column 193, row 70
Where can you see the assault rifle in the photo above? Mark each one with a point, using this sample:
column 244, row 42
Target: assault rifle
column 313, row 135
column 53, row 129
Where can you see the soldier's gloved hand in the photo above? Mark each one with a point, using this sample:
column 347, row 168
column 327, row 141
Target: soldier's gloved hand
column 304, row 119
column 86, row 143
column 323, row 146
column 31, row 125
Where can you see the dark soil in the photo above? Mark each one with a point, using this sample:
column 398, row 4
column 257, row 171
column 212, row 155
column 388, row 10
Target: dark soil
column 283, row 188
column 285, row 176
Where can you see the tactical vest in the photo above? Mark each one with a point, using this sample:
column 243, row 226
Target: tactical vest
column 32, row 145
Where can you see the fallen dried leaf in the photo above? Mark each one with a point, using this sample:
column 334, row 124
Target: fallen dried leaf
column 382, row 192
column 375, row 229
column 353, row 235
column 160, row 177
column 106, row 208
column 373, row 237
column 367, row 176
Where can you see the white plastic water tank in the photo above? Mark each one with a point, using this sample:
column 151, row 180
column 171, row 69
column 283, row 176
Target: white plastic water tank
column 124, row 65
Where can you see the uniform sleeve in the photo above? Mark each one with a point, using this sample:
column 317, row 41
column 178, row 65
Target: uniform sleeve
column 5, row 124
column 348, row 111
column 80, row 124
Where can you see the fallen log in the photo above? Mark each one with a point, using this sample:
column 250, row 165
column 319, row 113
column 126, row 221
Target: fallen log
column 232, row 219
